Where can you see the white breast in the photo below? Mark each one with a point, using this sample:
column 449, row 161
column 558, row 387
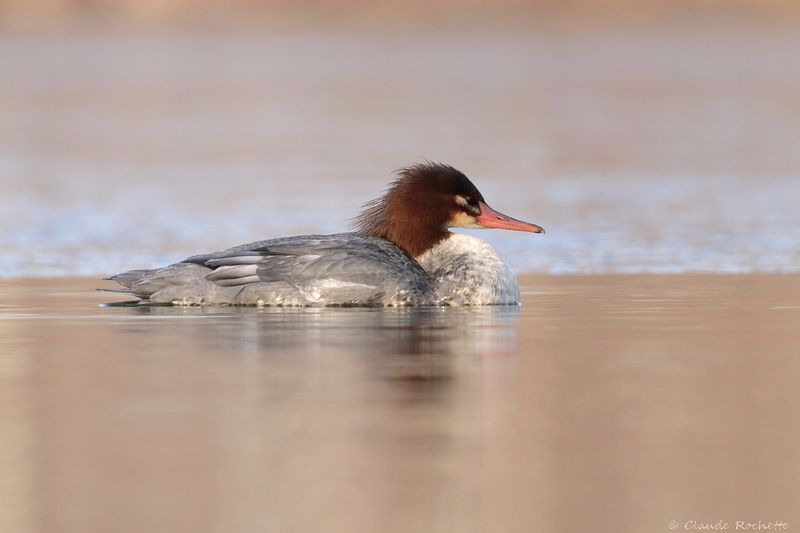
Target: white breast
column 468, row 271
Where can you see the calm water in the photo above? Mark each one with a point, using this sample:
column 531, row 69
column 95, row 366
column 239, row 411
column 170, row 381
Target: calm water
column 657, row 149
column 602, row 404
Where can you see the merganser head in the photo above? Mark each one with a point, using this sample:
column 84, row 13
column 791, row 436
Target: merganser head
column 423, row 202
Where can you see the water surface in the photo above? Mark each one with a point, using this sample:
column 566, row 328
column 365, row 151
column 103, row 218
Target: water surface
column 664, row 148
column 603, row 403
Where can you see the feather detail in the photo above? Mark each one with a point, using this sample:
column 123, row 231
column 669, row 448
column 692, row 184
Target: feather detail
column 415, row 210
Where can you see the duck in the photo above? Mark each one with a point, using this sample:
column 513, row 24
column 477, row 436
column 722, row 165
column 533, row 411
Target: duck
column 401, row 252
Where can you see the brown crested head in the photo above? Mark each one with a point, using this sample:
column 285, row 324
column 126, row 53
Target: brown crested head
column 423, row 202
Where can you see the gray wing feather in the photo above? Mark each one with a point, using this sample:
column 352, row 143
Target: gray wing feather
column 229, row 272
column 246, row 258
column 235, row 282
column 345, row 257
column 290, row 270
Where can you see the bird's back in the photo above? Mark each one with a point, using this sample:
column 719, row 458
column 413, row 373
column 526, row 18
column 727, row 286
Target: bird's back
column 318, row 270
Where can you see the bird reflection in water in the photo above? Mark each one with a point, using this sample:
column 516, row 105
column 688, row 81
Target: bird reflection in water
column 424, row 345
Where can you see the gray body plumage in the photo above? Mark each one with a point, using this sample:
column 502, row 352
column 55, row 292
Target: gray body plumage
column 342, row 269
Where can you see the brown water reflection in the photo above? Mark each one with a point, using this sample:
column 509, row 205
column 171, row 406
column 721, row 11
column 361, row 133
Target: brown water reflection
column 603, row 404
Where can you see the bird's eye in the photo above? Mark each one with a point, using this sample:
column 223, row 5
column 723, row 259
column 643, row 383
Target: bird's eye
column 468, row 204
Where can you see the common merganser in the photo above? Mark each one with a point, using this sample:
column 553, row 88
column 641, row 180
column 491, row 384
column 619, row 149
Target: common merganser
column 401, row 253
